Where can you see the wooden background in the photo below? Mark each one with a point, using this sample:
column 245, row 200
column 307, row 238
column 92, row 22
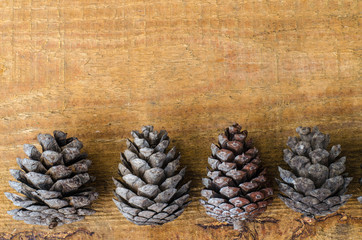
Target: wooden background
column 99, row 68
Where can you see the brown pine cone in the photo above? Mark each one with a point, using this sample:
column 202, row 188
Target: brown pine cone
column 236, row 188
column 52, row 182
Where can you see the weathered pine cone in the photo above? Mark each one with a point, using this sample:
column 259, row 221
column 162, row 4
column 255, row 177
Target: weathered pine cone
column 317, row 184
column 150, row 190
column 52, row 182
column 236, row 188
column 360, row 183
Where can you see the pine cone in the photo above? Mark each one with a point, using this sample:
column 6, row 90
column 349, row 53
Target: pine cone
column 316, row 185
column 236, row 188
column 360, row 183
column 52, row 182
column 149, row 192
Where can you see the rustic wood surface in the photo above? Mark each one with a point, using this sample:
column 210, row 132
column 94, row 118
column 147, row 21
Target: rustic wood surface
column 99, row 68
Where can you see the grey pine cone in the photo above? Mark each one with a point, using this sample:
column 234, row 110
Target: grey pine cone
column 150, row 190
column 52, row 182
column 236, row 188
column 316, row 184
column 360, row 182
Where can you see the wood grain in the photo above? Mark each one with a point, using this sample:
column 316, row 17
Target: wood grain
column 98, row 69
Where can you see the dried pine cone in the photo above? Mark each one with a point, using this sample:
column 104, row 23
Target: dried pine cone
column 317, row 183
column 150, row 192
column 52, row 182
column 236, row 188
column 360, row 182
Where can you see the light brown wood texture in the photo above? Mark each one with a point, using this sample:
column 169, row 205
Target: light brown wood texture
column 98, row 69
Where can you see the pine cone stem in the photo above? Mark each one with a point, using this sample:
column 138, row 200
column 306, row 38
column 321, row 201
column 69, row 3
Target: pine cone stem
column 309, row 220
column 238, row 225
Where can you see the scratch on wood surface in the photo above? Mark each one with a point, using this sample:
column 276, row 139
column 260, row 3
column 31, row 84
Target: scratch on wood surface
column 216, row 225
column 307, row 225
column 30, row 235
column 248, row 231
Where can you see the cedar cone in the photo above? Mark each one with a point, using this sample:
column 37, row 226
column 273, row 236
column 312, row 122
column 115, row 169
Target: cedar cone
column 52, row 182
column 236, row 188
column 150, row 192
column 316, row 184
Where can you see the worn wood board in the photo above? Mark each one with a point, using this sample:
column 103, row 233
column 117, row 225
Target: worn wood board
column 98, row 69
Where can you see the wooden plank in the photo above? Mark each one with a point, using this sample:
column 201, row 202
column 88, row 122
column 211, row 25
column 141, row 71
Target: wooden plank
column 98, row 69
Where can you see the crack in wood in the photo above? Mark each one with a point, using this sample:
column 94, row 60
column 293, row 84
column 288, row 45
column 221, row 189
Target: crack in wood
column 32, row 235
column 216, row 225
column 247, row 233
column 307, row 224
